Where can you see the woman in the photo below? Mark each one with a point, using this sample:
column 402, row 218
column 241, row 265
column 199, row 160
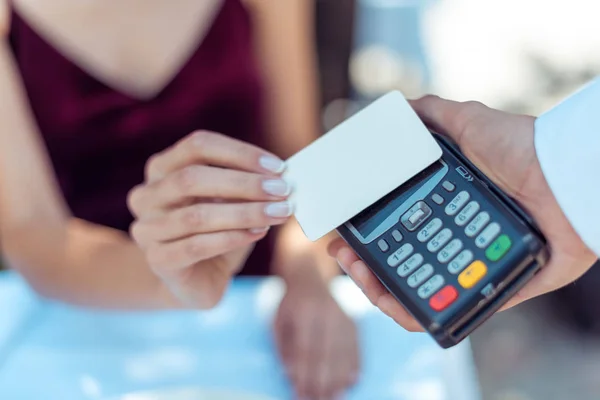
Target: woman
column 163, row 107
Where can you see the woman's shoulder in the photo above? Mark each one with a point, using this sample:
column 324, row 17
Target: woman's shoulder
column 4, row 18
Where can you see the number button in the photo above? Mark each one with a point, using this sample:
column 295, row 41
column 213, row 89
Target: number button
column 431, row 286
column 460, row 262
column 400, row 255
column 467, row 213
column 420, row 276
column 450, row 251
column 477, row 224
column 429, row 230
column 485, row 238
column 410, row 265
column 498, row 249
column 439, row 240
column 458, row 202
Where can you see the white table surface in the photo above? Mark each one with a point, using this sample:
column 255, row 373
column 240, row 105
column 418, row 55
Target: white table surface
column 53, row 351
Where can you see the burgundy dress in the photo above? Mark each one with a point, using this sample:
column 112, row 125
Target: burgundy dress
column 99, row 139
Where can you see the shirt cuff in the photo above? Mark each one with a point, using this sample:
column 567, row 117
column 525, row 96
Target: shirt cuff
column 567, row 142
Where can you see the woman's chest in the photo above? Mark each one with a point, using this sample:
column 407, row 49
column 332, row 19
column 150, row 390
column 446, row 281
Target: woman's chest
column 82, row 118
column 133, row 46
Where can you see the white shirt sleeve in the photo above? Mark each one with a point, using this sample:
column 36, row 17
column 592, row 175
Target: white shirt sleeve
column 567, row 142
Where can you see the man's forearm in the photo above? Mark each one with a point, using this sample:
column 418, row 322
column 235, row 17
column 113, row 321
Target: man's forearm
column 86, row 265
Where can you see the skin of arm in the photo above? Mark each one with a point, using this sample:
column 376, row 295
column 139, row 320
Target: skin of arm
column 285, row 46
column 61, row 257
column 74, row 261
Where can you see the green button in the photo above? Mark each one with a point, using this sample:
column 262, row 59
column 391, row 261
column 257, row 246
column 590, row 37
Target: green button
column 498, row 248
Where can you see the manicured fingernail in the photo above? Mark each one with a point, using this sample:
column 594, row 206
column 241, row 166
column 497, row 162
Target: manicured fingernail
column 258, row 231
column 279, row 210
column 276, row 187
column 272, row 164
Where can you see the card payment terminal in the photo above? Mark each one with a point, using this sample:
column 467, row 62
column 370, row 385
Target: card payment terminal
column 449, row 245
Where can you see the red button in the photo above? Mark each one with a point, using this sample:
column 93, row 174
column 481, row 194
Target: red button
column 443, row 298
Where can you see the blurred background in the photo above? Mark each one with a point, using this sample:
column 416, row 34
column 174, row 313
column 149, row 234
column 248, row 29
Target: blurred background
column 516, row 55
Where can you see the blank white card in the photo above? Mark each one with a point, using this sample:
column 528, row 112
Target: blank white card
column 357, row 163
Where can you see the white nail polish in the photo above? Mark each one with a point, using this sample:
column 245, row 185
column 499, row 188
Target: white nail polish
column 276, row 187
column 272, row 164
column 279, row 210
column 258, row 231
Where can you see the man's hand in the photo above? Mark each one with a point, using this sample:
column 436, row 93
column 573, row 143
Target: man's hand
column 501, row 145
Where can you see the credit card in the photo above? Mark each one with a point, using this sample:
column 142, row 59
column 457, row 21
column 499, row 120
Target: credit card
column 357, row 163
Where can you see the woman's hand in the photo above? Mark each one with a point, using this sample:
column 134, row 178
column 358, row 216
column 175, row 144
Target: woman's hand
column 502, row 146
column 316, row 340
column 204, row 203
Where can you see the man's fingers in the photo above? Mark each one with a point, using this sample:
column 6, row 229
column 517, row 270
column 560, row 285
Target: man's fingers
column 334, row 247
column 446, row 116
column 346, row 257
column 390, row 307
column 381, row 298
column 375, row 291
column 211, row 148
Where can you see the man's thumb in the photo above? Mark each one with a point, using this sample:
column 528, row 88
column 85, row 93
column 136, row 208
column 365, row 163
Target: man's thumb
column 445, row 116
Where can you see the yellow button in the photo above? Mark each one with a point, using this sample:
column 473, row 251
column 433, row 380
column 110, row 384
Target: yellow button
column 473, row 274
